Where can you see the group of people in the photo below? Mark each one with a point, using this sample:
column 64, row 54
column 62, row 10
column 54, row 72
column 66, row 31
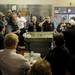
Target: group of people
column 15, row 21
column 18, row 24
column 59, row 60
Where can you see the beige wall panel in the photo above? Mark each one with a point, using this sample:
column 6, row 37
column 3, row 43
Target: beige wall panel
column 26, row 1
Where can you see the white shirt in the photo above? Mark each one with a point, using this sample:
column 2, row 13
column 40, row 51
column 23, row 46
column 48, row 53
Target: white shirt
column 21, row 21
column 12, row 63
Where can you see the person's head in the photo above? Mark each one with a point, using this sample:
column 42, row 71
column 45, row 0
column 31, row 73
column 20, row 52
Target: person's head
column 14, row 16
column 58, row 39
column 70, row 66
column 19, row 14
column 11, row 41
column 41, row 67
column 68, row 25
column 47, row 18
column 2, row 28
column 9, row 12
column 34, row 18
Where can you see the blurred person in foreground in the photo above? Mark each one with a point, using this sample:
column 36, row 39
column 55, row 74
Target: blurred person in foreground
column 58, row 57
column 69, row 36
column 70, row 66
column 41, row 67
column 12, row 63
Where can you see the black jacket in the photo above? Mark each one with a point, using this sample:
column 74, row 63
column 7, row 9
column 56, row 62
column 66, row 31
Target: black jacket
column 69, row 36
column 48, row 26
column 1, row 41
column 58, row 59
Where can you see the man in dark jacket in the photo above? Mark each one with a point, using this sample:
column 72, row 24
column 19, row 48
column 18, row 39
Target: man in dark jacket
column 47, row 24
column 69, row 36
column 70, row 66
column 59, row 56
